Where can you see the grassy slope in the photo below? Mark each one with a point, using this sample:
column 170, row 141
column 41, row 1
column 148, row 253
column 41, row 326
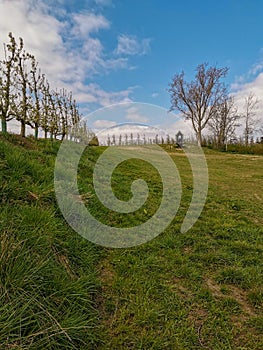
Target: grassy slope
column 48, row 282
column 199, row 290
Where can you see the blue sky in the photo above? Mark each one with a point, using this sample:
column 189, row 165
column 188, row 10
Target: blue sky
column 109, row 51
column 183, row 34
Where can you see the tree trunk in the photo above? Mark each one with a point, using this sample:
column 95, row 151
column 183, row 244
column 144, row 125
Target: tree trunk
column 23, row 129
column 36, row 131
column 199, row 137
column 45, row 134
column 246, row 139
column 4, row 126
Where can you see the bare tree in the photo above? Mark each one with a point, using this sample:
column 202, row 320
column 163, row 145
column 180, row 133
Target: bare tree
column 131, row 138
column 6, row 82
column 81, row 133
column 74, row 116
column 63, row 109
column 23, row 102
column 198, row 99
column 120, row 140
column 108, row 141
column 250, row 111
column 35, row 85
column 224, row 121
column 25, row 94
column 54, row 123
column 46, row 107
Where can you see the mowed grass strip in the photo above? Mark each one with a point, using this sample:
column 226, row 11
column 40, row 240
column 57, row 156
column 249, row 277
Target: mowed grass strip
column 202, row 289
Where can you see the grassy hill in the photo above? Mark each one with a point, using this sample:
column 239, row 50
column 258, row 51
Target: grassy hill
column 48, row 282
column 202, row 289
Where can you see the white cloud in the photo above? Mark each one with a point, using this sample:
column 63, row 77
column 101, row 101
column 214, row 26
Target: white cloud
column 65, row 45
column 251, row 82
column 93, row 93
column 134, row 115
column 105, row 98
column 103, row 124
column 87, row 23
column 256, row 68
column 130, row 45
column 40, row 31
column 155, row 94
column 241, row 89
column 181, row 125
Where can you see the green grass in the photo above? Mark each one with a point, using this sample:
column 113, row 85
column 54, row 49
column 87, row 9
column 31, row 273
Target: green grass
column 201, row 289
column 250, row 149
column 239, row 148
column 48, row 280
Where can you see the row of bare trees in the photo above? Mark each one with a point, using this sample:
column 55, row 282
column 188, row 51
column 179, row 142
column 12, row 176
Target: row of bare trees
column 139, row 139
column 26, row 95
column 206, row 103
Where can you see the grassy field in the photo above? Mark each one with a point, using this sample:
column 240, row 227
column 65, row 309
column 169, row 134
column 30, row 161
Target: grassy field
column 199, row 290
column 202, row 289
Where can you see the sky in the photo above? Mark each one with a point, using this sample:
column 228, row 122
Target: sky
column 111, row 51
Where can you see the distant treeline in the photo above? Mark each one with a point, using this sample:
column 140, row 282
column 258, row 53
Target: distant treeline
column 237, row 145
column 26, row 95
column 143, row 139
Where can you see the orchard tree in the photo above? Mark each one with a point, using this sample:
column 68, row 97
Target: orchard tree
column 198, row 99
column 46, row 106
column 54, row 125
column 25, row 94
column 35, row 85
column 63, row 110
column 82, row 133
column 7, row 94
column 74, row 116
column 23, row 101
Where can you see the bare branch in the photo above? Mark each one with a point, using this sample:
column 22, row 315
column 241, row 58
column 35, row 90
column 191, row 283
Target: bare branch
column 198, row 100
